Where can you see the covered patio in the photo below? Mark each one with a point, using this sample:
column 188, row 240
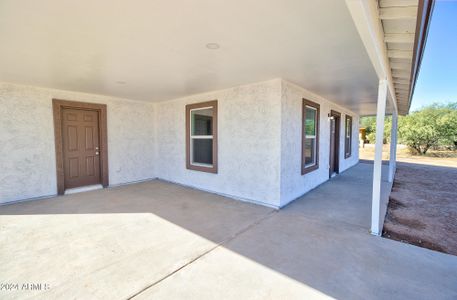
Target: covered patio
column 169, row 241
column 116, row 105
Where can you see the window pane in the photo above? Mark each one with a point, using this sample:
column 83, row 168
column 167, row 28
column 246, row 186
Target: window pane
column 202, row 151
column 348, row 137
column 310, row 121
column 310, row 151
column 348, row 127
column 202, row 121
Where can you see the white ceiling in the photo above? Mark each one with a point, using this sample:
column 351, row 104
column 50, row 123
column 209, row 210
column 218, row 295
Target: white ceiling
column 158, row 47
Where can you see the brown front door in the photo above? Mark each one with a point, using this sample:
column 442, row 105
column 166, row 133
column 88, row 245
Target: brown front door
column 81, row 147
column 334, row 143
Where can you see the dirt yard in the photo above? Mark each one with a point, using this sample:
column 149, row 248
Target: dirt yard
column 423, row 204
column 435, row 158
column 423, row 207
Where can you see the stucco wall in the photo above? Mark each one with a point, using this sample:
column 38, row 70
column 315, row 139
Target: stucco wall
column 248, row 142
column 27, row 151
column 259, row 146
column 293, row 184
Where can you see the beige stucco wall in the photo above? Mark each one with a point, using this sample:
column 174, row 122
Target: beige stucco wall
column 293, row 184
column 248, row 143
column 259, row 146
column 259, row 142
column 27, row 153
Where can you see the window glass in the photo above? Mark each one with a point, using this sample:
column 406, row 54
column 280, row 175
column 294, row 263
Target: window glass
column 310, row 150
column 202, row 151
column 310, row 143
column 201, row 136
column 348, row 127
column 347, row 142
column 202, row 121
column 310, row 121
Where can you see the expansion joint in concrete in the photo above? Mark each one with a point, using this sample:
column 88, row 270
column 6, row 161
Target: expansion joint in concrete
column 227, row 240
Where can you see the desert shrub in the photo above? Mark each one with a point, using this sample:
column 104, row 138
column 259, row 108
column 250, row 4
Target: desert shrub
column 433, row 126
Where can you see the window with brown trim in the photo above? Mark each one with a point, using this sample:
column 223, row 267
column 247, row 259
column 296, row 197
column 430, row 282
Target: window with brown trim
column 310, row 136
column 201, row 136
column 348, row 137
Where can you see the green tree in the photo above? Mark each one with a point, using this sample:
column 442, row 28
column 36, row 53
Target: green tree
column 369, row 123
column 431, row 126
column 448, row 127
column 434, row 125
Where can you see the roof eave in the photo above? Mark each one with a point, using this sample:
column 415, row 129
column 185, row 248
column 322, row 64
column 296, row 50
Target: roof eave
column 424, row 15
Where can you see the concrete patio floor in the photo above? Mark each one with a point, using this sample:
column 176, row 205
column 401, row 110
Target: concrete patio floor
column 165, row 241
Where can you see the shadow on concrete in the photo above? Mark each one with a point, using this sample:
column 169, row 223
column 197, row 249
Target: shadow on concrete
column 321, row 240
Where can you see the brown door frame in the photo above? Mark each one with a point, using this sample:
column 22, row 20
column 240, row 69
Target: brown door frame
column 337, row 116
column 57, row 107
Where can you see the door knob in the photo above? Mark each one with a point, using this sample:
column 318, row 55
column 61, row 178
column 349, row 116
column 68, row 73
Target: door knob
column 96, row 153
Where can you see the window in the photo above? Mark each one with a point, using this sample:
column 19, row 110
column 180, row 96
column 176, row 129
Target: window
column 201, row 136
column 348, row 137
column 310, row 137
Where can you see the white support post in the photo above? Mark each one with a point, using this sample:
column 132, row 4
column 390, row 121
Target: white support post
column 396, row 142
column 377, row 168
column 393, row 147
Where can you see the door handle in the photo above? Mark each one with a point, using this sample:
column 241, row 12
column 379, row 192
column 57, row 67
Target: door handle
column 96, row 153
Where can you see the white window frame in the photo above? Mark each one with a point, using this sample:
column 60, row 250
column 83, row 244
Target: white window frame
column 348, row 136
column 314, row 137
column 190, row 138
column 196, row 137
column 307, row 168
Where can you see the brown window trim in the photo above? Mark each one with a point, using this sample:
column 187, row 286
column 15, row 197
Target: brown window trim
column 315, row 105
column 57, row 106
column 347, row 153
column 212, row 104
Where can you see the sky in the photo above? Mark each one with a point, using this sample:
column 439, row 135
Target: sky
column 437, row 81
